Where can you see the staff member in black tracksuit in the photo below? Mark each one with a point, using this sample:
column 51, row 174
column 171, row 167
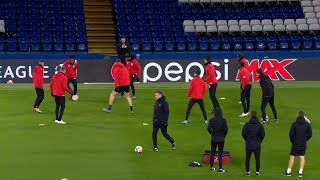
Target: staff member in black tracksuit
column 300, row 133
column 267, row 95
column 123, row 48
column 160, row 120
column 253, row 133
column 218, row 129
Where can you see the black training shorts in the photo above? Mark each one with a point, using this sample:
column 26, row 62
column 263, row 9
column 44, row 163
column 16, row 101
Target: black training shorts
column 121, row 89
column 298, row 151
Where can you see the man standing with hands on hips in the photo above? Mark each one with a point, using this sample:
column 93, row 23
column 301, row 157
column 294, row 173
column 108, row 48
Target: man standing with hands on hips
column 211, row 80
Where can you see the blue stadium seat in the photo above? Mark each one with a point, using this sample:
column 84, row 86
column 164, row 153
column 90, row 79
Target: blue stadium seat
column 192, row 44
column 35, row 44
column 146, row 44
column 181, row 43
column 203, row 44
column 307, row 42
column 316, row 40
column 23, row 44
column 214, row 43
column 283, row 42
column 135, row 44
column 272, row 43
column 226, row 43
column 2, row 44
column 295, row 42
column 260, row 43
column 169, row 44
column 11, row 44
column 249, row 43
column 237, row 43
column 157, row 44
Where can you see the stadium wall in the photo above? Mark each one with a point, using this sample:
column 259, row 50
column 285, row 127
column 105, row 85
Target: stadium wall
column 156, row 68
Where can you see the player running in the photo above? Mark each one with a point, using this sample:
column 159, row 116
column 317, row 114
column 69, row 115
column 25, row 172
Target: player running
column 71, row 74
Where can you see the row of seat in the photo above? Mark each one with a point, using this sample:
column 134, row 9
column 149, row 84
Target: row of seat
column 44, row 26
column 254, row 28
column 259, row 43
column 251, row 22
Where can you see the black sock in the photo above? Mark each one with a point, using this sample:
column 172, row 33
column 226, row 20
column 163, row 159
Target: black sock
column 110, row 106
column 131, row 108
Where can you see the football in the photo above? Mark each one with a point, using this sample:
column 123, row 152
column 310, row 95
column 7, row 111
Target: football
column 138, row 149
column 9, row 82
column 75, row 97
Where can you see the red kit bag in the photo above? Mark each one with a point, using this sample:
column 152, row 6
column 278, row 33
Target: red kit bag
column 226, row 158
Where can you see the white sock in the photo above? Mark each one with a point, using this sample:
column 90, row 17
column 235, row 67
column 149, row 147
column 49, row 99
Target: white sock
column 288, row 170
column 300, row 171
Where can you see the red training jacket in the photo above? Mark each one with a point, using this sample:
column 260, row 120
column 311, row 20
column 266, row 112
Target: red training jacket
column 58, row 85
column 37, row 76
column 134, row 68
column 197, row 88
column 246, row 64
column 121, row 75
column 211, row 76
column 71, row 69
column 244, row 77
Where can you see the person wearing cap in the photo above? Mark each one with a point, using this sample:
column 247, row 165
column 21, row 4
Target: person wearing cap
column 123, row 48
column 71, row 74
column 300, row 133
column 267, row 95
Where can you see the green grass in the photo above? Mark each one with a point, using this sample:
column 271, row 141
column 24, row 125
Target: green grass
column 94, row 145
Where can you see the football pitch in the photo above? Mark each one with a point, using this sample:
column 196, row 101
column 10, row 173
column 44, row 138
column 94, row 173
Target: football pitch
column 95, row 145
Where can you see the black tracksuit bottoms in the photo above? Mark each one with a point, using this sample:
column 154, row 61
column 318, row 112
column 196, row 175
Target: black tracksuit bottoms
column 164, row 129
column 245, row 98
column 40, row 97
column 60, row 106
column 257, row 157
column 74, row 82
column 212, row 93
column 214, row 146
column 265, row 101
column 201, row 104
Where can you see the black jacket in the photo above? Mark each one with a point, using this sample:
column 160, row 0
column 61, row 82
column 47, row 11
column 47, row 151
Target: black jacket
column 266, row 86
column 253, row 133
column 123, row 51
column 161, row 112
column 218, row 127
column 300, row 132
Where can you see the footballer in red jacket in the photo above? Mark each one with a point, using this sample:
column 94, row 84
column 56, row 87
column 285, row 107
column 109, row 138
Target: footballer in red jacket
column 197, row 89
column 58, row 86
column 241, row 58
column 134, row 70
column 71, row 73
column 211, row 80
column 121, row 84
column 37, row 78
column 244, row 77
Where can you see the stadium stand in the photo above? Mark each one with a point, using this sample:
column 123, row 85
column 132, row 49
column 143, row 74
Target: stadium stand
column 42, row 26
column 219, row 25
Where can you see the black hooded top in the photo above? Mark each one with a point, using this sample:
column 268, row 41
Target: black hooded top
column 300, row 132
column 218, row 127
column 266, row 85
column 161, row 111
column 253, row 133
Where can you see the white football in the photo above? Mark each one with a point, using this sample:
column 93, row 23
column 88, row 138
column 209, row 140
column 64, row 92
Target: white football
column 75, row 97
column 138, row 149
column 9, row 82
